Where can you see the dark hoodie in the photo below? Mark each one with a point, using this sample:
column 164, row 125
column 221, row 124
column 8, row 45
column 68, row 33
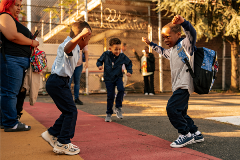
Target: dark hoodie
column 113, row 70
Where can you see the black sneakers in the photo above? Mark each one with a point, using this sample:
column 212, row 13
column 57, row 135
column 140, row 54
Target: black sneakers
column 78, row 102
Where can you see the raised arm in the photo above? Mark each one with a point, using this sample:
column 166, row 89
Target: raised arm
column 190, row 41
column 72, row 44
column 160, row 50
column 137, row 56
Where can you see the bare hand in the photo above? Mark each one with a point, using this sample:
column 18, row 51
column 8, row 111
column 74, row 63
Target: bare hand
column 144, row 39
column 100, row 67
column 129, row 74
column 35, row 43
column 177, row 19
column 85, row 32
column 86, row 65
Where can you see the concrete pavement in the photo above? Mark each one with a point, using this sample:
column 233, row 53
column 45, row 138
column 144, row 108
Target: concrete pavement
column 146, row 117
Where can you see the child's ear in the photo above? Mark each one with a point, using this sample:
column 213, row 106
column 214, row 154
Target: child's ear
column 179, row 34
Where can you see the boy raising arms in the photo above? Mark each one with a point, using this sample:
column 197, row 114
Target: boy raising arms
column 68, row 54
column 113, row 60
column 182, row 82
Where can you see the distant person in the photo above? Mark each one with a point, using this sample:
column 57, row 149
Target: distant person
column 17, row 44
column 57, row 86
column 182, row 82
column 77, row 75
column 147, row 67
column 113, row 60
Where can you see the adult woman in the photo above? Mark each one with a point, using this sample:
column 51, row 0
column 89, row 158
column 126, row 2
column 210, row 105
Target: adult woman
column 147, row 67
column 15, row 53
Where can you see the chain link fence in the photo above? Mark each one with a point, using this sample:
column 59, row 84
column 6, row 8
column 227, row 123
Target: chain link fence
column 127, row 20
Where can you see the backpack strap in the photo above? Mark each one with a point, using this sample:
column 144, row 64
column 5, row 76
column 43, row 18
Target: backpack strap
column 189, row 68
column 184, row 57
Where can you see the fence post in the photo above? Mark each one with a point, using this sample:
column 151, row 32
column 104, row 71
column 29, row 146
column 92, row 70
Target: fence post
column 86, row 19
column 42, row 29
column 29, row 15
column 160, row 44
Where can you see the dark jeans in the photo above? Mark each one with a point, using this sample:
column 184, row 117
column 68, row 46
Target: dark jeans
column 64, row 127
column 76, row 79
column 177, row 112
column 111, row 94
column 149, row 83
column 12, row 72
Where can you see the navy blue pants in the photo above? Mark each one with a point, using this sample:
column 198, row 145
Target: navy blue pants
column 177, row 112
column 111, row 94
column 64, row 127
column 76, row 79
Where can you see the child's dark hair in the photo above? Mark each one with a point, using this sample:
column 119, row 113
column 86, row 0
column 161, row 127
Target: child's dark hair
column 77, row 28
column 114, row 41
column 174, row 27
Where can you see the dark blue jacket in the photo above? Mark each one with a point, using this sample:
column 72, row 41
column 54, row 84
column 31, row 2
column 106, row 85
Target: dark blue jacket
column 113, row 72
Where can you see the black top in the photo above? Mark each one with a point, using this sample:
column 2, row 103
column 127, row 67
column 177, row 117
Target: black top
column 11, row 48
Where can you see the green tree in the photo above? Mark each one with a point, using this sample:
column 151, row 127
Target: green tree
column 211, row 18
column 67, row 5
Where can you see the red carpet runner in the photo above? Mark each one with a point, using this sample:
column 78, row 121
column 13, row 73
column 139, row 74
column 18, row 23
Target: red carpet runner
column 99, row 140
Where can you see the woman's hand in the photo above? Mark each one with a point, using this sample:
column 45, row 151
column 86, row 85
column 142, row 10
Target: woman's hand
column 35, row 43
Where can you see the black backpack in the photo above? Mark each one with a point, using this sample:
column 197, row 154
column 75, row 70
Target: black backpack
column 205, row 69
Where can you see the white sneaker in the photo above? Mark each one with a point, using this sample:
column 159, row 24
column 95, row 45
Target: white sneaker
column 49, row 138
column 146, row 94
column 182, row 141
column 69, row 149
column 151, row 94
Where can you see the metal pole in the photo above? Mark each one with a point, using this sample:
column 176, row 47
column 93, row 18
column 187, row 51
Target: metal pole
column 149, row 27
column 224, row 65
column 29, row 15
column 61, row 12
column 160, row 44
column 101, row 15
column 77, row 7
column 50, row 22
column 42, row 29
column 87, row 75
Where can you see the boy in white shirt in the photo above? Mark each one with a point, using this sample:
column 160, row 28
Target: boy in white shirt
column 59, row 135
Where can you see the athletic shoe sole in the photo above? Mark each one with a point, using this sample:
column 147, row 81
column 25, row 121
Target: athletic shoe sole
column 182, row 145
column 59, row 151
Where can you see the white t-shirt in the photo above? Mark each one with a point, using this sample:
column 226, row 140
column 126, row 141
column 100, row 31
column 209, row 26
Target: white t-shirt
column 65, row 65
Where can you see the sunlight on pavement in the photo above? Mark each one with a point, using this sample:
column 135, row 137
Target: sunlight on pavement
column 224, row 134
column 235, row 120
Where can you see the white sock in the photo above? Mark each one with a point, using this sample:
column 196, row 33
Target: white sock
column 197, row 133
column 189, row 134
column 15, row 127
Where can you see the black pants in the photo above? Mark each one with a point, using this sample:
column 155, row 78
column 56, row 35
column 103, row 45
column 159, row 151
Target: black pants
column 177, row 112
column 64, row 127
column 111, row 94
column 149, row 84
column 20, row 98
